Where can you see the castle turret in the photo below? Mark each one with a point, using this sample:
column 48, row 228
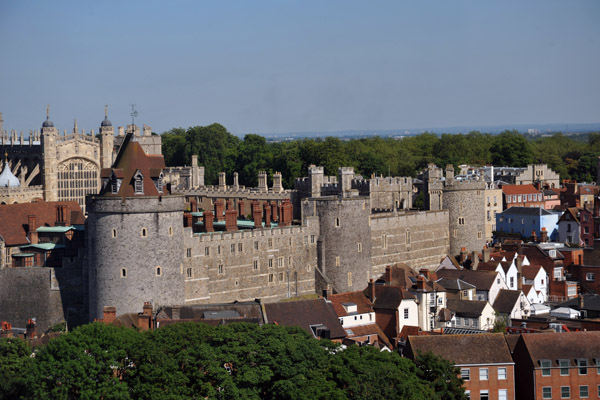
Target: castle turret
column 135, row 236
column 50, row 173
column 107, row 141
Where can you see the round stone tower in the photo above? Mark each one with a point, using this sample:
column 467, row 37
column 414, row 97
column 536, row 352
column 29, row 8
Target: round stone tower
column 135, row 252
column 466, row 209
column 135, row 236
column 344, row 246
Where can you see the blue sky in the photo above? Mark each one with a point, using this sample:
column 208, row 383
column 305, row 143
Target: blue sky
column 292, row 66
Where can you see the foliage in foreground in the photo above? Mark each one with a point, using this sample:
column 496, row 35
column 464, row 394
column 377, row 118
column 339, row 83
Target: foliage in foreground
column 239, row 361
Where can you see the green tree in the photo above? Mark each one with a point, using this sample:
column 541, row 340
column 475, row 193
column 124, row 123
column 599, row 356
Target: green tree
column 511, row 149
column 15, row 362
column 442, row 376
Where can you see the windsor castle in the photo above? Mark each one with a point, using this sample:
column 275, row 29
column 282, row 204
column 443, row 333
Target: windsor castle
column 160, row 235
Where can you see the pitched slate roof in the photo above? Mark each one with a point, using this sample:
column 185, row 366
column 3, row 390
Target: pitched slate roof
column 305, row 313
column 454, row 284
column 363, row 305
column 220, row 313
column 131, row 158
column 564, row 345
column 505, row 300
column 483, row 280
column 466, row 308
column 570, row 215
column 530, row 211
column 390, row 297
column 371, row 329
column 491, row 348
column 519, row 189
column 13, row 218
column 488, row 266
column 590, row 302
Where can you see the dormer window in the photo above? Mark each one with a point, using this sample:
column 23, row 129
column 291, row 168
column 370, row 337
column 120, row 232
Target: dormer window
column 158, row 182
column 138, row 184
column 115, row 184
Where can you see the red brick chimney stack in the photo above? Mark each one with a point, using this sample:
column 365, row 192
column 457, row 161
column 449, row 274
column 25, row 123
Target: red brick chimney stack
column 257, row 214
column 110, row 314
column 31, row 229
column 219, row 210
column 388, row 274
column 208, row 221
column 267, row 215
column 30, row 332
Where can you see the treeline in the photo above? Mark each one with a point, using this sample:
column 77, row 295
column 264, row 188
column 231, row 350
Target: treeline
column 192, row 360
column 218, row 150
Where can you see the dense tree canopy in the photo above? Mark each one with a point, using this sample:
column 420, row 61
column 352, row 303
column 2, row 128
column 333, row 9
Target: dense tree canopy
column 191, row 360
column 218, row 150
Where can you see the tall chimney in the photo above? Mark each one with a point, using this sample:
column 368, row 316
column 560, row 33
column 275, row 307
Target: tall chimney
column 31, row 229
column 208, row 221
column 257, row 214
column 474, row 260
column 372, row 290
column 486, row 254
column 388, row 274
column 30, row 332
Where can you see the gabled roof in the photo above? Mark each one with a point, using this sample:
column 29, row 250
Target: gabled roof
column 390, row 297
column 483, row 280
column 13, row 218
column 570, row 214
column 565, row 345
column 506, row 300
column 306, row 313
column 526, row 289
column 129, row 161
column 519, row 189
column 488, row 266
column 466, row 308
column 371, row 329
column 454, row 284
column 531, row 271
column 491, row 348
column 363, row 305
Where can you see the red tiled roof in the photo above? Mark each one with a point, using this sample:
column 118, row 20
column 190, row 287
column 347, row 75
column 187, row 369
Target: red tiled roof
column 491, row 348
column 130, row 159
column 531, row 271
column 519, row 189
column 363, row 305
column 565, row 345
column 13, row 218
column 371, row 329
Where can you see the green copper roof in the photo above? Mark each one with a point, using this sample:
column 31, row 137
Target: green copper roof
column 44, row 246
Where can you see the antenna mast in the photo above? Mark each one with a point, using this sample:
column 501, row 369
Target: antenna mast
column 133, row 114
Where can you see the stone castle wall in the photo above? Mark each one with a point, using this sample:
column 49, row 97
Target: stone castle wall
column 419, row 239
column 271, row 264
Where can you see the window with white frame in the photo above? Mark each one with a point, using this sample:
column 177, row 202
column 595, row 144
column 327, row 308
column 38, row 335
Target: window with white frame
column 546, row 364
column 564, row 367
column 582, row 364
column 565, row 392
column 584, row 392
column 468, row 394
column 484, row 395
column 547, row 392
column 483, row 374
column 138, row 185
column 502, row 394
column 465, row 374
column 501, row 372
column 590, row 276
